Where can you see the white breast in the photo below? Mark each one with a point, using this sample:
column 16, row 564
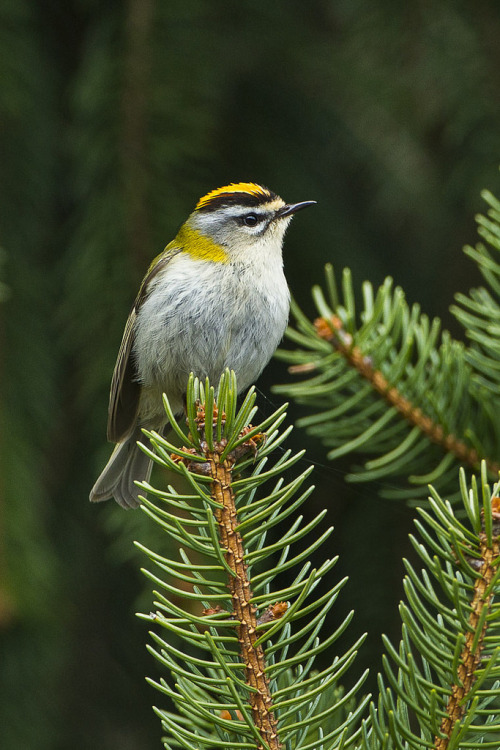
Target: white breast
column 202, row 317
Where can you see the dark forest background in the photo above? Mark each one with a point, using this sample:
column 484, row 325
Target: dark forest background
column 114, row 119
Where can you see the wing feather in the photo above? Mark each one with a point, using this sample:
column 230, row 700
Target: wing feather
column 125, row 388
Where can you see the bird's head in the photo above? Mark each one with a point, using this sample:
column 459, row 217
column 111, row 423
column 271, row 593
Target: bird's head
column 232, row 222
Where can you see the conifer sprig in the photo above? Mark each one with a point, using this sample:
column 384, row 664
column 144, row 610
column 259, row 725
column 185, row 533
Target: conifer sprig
column 332, row 331
column 245, row 674
column 388, row 384
column 479, row 312
column 441, row 688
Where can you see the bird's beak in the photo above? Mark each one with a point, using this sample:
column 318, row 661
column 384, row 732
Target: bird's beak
column 292, row 208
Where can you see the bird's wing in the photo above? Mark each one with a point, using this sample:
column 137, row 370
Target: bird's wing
column 125, row 388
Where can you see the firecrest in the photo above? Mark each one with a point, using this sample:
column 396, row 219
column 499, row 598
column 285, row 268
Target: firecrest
column 215, row 298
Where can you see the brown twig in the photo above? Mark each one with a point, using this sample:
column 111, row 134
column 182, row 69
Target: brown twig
column 470, row 658
column 331, row 330
column 239, row 586
column 245, row 614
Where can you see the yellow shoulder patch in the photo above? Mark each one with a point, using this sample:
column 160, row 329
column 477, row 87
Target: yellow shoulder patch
column 248, row 188
column 199, row 246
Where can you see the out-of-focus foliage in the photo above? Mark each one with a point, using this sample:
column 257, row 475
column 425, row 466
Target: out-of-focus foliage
column 114, row 118
column 30, row 573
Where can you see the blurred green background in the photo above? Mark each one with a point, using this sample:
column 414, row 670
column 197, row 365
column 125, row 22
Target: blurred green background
column 114, row 119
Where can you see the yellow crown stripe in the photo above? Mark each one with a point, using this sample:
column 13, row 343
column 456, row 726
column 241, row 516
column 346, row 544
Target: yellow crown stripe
column 250, row 188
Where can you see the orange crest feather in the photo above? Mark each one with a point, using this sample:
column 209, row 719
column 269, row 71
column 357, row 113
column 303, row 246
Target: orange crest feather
column 248, row 188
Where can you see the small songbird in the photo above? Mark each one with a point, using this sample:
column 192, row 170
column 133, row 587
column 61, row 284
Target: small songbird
column 215, row 298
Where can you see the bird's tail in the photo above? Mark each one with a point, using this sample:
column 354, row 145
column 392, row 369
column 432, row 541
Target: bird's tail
column 127, row 464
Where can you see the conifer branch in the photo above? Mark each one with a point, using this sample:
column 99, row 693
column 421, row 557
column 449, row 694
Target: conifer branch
column 247, row 678
column 252, row 653
column 332, row 330
column 387, row 383
column 440, row 688
column 480, row 607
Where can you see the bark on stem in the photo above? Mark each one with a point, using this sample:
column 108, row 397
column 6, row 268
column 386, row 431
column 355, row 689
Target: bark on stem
column 239, row 586
column 470, row 658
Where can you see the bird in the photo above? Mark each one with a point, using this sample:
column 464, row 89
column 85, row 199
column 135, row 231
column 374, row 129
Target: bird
column 215, row 298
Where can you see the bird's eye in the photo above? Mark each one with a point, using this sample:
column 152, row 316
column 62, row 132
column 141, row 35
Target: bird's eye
column 250, row 220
